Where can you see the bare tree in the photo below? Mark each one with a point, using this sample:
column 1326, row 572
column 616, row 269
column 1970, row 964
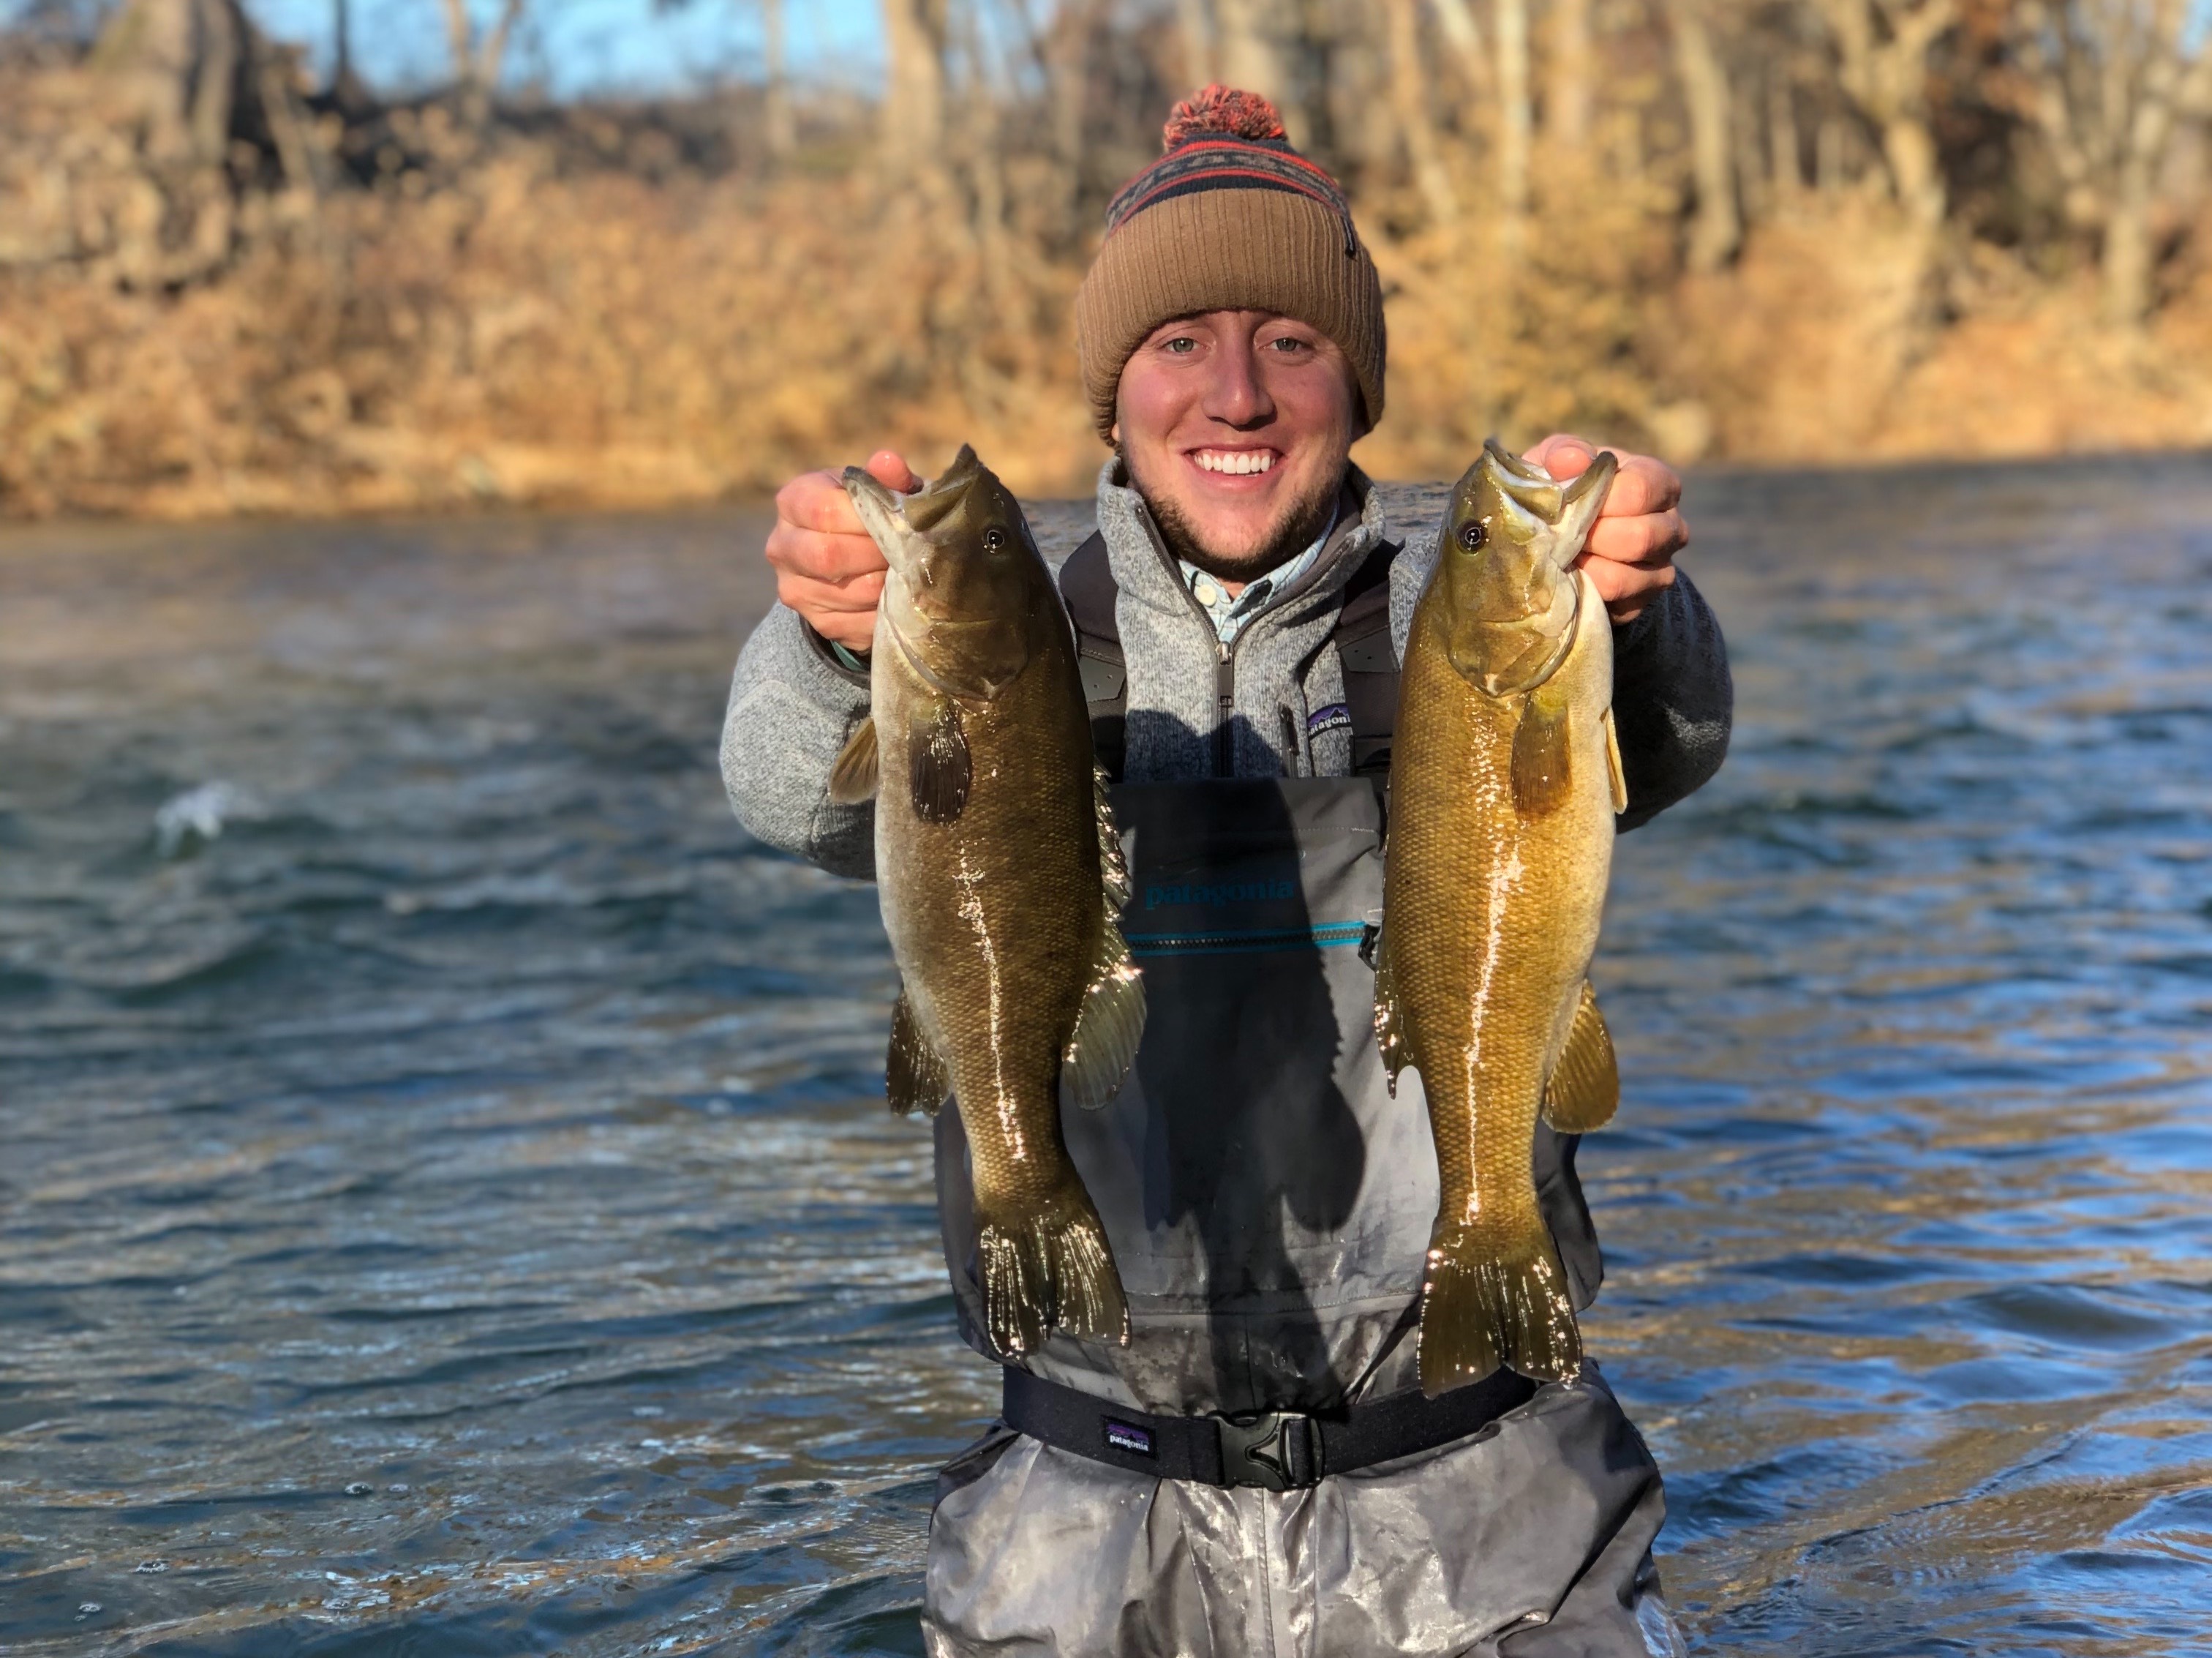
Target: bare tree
column 1409, row 99
column 1567, row 80
column 1516, row 116
column 1716, row 229
column 914, row 41
column 2112, row 82
column 775, row 95
column 1882, row 68
column 477, row 55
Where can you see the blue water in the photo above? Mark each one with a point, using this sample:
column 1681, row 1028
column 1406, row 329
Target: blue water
column 446, row 1206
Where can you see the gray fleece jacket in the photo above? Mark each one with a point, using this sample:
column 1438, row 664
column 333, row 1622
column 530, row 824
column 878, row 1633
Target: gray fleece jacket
column 793, row 706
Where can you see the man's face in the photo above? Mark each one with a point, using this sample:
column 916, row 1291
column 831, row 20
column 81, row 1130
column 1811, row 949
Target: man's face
column 1236, row 427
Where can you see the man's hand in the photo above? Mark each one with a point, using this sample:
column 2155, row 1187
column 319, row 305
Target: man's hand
column 827, row 567
column 1630, row 556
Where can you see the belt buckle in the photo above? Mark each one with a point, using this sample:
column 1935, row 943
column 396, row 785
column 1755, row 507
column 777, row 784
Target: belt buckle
column 1272, row 1450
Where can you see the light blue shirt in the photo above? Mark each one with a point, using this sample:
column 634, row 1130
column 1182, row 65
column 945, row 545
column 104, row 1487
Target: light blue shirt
column 1229, row 615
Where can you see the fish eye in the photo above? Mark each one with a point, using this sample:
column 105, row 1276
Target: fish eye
column 994, row 540
column 1471, row 534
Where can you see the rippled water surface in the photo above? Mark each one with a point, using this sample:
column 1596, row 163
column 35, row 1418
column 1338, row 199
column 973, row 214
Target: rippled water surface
column 445, row 1207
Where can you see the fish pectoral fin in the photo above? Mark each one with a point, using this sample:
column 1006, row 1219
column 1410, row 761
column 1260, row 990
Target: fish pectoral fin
column 1495, row 1295
column 1389, row 1016
column 1585, row 1086
column 1543, row 769
column 1108, row 1026
column 915, row 1078
column 939, row 768
column 852, row 778
column 1616, row 774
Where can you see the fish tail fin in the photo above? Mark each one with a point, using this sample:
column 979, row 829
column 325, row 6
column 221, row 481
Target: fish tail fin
column 1492, row 1300
column 1050, row 1268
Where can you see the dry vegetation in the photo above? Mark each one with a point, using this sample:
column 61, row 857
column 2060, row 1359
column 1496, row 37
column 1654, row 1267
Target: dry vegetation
column 1803, row 230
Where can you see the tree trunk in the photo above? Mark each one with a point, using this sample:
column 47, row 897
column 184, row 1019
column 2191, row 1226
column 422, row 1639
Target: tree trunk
column 1516, row 119
column 782, row 134
column 913, row 96
column 1409, row 99
column 1194, row 24
column 1252, row 56
column 1567, row 88
column 1717, row 229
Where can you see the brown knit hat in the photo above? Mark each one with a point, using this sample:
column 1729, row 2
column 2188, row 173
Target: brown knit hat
column 1230, row 217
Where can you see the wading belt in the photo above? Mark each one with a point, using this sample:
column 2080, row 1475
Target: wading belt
column 1273, row 1450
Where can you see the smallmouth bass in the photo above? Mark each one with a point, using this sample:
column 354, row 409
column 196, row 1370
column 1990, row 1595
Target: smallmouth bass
column 1505, row 780
column 1001, row 880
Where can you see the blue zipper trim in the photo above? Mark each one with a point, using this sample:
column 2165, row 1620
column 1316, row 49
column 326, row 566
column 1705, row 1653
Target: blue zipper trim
column 1322, row 934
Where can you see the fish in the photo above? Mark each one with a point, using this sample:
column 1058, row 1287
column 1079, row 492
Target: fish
column 1505, row 780
column 1001, row 880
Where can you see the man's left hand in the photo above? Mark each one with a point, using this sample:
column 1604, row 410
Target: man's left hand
column 1629, row 555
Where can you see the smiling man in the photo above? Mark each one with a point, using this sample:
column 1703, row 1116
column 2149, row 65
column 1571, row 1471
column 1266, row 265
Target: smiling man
column 1256, row 1470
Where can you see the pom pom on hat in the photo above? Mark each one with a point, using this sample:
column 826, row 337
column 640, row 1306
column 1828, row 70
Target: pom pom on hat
column 1221, row 112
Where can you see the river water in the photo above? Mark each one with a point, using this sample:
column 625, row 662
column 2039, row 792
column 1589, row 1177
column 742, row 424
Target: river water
column 445, row 1206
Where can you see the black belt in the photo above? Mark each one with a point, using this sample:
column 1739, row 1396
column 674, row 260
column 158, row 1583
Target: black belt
column 1275, row 1450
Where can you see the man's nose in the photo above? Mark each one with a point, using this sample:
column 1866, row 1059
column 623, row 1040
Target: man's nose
column 1236, row 395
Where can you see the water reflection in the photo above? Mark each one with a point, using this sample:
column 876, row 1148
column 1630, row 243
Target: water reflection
column 448, row 1202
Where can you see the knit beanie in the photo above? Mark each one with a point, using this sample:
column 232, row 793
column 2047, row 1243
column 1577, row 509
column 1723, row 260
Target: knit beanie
column 1230, row 217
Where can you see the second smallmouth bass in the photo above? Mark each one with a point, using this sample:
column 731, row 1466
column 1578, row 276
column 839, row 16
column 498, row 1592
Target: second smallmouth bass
column 1001, row 880
column 1505, row 783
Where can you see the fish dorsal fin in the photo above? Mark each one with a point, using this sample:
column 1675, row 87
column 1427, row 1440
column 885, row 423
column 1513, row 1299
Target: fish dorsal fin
column 1109, row 1026
column 1615, row 773
column 1390, row 1017
column 1543, row 763
column 914, row 1076
column 939, row 768
column 1585, row 1086
column 852, row 778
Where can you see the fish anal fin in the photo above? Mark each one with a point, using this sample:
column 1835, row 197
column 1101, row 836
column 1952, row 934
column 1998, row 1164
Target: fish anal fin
column 1616, row 773
column 1109, row 1026
column 1543, row 768
column 1389, row 1015
column 852, row 778
column 1496, row 1296
column 915, row 1078
column 940, row 767
column 1585, row 1086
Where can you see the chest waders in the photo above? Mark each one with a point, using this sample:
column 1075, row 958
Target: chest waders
column 1237, row 1479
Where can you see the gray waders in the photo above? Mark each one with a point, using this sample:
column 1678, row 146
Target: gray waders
column 1269, row 1203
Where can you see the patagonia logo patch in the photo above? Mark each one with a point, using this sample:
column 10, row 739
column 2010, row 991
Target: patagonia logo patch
column 1335, row 717
column 1217, row 895
column 1122, row 1436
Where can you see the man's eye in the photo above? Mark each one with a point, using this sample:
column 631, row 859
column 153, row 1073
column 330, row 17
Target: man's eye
column 1181, row 345
column 1287, row 343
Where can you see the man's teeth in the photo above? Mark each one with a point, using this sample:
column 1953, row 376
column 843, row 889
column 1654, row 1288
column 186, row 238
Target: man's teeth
column 1238, row 462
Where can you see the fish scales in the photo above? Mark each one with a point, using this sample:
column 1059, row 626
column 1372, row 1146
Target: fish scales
column 1505, row 779
column 1001, row 883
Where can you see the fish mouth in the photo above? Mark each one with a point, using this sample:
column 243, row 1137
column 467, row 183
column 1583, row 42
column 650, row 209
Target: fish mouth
column 1543, row 502
column 939, row 498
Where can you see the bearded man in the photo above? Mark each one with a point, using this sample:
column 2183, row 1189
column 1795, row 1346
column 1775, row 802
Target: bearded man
column 1257, row 1470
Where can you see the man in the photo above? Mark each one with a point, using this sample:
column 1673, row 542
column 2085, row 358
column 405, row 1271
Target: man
column 1256, row 1470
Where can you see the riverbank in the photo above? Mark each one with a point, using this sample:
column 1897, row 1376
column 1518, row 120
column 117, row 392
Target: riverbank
column 398, row 312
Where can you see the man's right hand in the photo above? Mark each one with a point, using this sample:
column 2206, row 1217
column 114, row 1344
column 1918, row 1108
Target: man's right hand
column 827, row 566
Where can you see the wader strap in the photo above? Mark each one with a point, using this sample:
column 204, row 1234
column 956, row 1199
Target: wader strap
column 1273, row 1450
column 1361, row 638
